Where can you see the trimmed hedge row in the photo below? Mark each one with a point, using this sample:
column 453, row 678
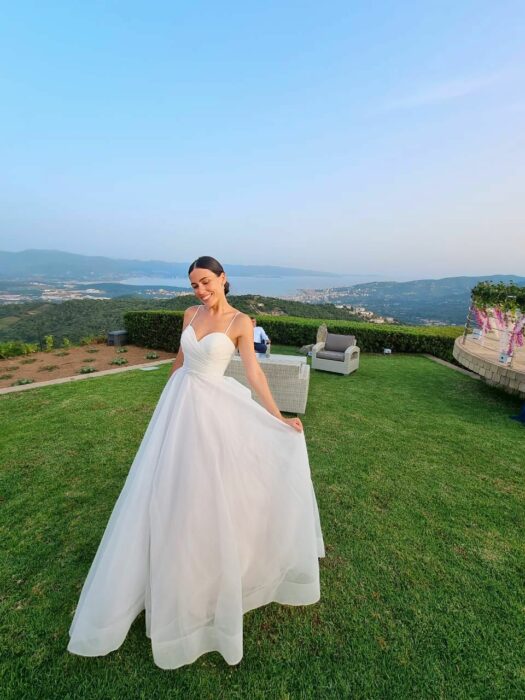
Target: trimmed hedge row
column 162, row 329
column 159, row 330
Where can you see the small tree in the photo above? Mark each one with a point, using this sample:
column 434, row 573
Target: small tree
column 48, row 342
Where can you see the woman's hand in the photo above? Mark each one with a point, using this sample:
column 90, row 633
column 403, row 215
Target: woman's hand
column 295, row 423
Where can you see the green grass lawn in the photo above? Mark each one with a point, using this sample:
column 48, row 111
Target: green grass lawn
column 419, row 477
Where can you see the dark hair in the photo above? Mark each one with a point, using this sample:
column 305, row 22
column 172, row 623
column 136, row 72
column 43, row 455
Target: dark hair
column 206, row 262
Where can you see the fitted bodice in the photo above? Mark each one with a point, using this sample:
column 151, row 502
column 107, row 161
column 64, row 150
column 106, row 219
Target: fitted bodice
column 210, row 355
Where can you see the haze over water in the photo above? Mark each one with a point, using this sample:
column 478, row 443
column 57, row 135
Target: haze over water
column 265, row 286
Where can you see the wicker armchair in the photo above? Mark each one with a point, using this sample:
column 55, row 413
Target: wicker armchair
column 288, row 378
column 339, row 353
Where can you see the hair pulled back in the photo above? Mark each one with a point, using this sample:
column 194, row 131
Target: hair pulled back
column 206, row 262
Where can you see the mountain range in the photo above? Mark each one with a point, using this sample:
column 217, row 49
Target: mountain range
column 57, row 265
column 419, row 302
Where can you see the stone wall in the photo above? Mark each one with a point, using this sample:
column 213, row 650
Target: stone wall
column 494, row 373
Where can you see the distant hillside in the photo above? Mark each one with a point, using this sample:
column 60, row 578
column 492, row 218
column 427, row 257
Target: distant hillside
column 56, row 265
column 77, row 318
column 418, row 302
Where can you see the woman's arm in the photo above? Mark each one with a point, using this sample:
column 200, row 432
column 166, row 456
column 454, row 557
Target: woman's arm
column 179, row 359
column 254, row 373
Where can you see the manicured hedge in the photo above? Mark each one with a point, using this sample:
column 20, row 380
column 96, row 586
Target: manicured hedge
column 154, row 329
column 162, row 329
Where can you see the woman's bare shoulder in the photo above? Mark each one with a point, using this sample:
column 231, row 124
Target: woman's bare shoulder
column 241, row 319
column 238, row 314
column 191, row 310
column 189, row 313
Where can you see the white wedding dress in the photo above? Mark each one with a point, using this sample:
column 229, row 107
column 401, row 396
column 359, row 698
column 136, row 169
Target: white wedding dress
column 217, row 516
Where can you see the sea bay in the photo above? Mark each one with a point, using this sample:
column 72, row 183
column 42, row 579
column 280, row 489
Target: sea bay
column 284, row 286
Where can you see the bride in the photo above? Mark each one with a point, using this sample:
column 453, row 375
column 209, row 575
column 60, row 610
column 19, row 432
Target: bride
column 218, row 514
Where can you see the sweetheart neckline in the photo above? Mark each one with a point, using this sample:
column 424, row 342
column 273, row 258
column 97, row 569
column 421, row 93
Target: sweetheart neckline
column 207, row 334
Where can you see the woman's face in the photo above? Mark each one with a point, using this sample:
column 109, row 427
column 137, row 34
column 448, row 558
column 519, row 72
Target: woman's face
column 208, row 286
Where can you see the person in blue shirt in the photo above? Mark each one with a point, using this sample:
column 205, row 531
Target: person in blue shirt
column 260, row 339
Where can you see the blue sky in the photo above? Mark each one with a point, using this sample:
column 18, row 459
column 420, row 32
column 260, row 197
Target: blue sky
column 383, row 138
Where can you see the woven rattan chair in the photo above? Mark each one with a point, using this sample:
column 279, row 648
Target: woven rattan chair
column 288, row 378
column 339, row 353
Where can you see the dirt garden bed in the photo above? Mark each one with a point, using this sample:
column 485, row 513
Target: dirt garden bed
column 60, row 363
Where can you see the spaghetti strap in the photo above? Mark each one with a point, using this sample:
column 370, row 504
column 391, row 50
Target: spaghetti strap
column 233, row 319
column 198, row 307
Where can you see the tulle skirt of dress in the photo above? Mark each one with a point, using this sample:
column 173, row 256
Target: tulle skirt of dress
column 217, row 516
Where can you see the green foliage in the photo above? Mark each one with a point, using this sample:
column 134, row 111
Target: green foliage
column 66, row 343
column 119, row 361
column 162, row 329
column 6, row 376
column 15, row 348
column 61, row 353
column 91, row 339
column 154, row 329
column 47, row 368
column 20, row 382
column 94, row 318
column 505, row 296
column 86, row 370
column 122, row 349
column 91, row 350
column 89, row 359
column 151, row 356
column 48, row 343
column 28, row 361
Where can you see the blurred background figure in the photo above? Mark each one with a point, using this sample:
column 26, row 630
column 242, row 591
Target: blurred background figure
column 261, row 342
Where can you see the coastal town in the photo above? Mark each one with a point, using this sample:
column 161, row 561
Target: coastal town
column 40, row 291
column 66, row 291
column 334, row 295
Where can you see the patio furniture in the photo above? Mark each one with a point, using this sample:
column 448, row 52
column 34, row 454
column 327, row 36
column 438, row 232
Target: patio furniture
column 288, row 378
column 117, row 337
column 339, row 353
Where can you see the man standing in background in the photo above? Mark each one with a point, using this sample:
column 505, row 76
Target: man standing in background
column 260, row 339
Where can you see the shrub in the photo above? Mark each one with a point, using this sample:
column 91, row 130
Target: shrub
column 151, row 356
column 48, row 342
column 506, row 296
column 61, row 353
column 66, row 343
column 47, row 368
column 122, row 349
column 28, row 361
column 19, row 382
column 14, row 348
column 5, row 376
column 91, row 350
column 119, row 361
column 162, row 329
column 89, row 359
column 86, row 370
column 91, row 339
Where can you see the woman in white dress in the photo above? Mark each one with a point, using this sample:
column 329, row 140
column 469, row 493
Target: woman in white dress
column 218, row 513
